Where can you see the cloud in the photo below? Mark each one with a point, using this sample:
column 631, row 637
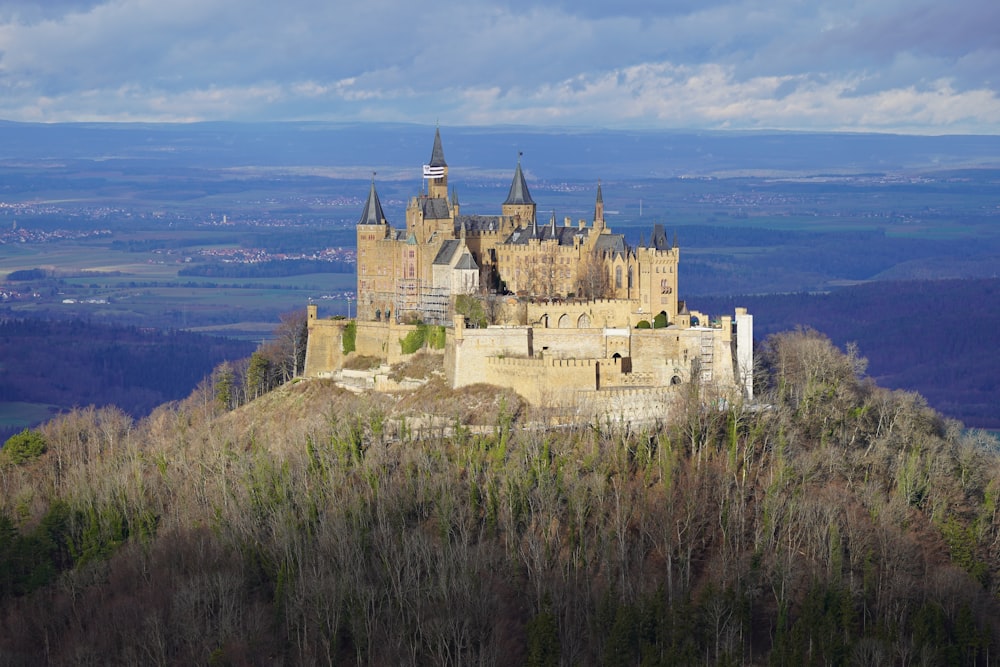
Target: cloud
column 889, row 65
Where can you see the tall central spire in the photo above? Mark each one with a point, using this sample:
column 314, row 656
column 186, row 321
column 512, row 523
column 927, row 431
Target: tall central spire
column 436, row 171
column 437, row 153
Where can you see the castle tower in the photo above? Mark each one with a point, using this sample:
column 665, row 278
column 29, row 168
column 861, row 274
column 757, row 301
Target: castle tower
column 372, row 234
column 658, row 263
column 436, row 171
column 519, row 202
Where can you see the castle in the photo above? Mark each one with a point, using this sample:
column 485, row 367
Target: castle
column 575, row 314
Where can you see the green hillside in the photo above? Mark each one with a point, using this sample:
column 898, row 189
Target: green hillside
column 832, row 523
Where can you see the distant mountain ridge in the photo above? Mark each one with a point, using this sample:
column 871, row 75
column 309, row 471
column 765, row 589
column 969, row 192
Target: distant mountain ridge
column 552, row 152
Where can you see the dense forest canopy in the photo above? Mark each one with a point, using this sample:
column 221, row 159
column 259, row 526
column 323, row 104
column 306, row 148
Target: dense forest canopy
column 835, row 522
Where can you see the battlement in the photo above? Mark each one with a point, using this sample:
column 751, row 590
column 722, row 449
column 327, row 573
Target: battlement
column 540, row 362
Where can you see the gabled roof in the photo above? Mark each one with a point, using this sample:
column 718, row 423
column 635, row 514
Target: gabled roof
column 372, row 213
column 519, row 188
column 437, row 153
column 467, row 263
column 447, row 252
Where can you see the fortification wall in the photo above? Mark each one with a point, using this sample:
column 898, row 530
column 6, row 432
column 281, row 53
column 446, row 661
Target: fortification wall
column 325, row 343
column 635, row 406
column 324, row 346
column 467, row 350
column 599, row 313
column 570, row 343
column 543, row 382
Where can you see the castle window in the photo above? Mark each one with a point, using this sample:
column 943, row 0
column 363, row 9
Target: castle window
column 618, row 277
column 630, row 277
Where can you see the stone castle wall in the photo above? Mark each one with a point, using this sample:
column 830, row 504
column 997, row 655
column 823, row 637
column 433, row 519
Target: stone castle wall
column 325, row 344
column 551, row 366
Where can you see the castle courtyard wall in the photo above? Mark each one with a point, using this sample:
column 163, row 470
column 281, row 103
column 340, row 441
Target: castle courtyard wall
column 552, row 366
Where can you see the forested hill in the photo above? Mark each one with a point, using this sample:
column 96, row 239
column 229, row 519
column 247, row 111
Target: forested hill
column 939, row 338
column 71, row 363
column 842, row 524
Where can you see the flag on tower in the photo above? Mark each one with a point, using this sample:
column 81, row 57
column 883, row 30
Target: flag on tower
column 433, row 172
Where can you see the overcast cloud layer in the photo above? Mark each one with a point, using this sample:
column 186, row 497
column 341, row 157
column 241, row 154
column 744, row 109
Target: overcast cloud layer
column 909, row 66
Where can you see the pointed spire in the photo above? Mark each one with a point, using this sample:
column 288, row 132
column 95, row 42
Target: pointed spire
column 599, row 208
column 437, row 154
column 519, row 187
column 372, row 213
column 675, row 238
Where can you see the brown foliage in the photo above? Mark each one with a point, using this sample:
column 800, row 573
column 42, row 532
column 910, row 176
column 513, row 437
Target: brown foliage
column 314, row 525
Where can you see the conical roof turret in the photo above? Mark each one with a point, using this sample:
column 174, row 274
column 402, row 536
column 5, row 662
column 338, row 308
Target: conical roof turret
column 519, row 188
column 372, row 213
column 437, row 153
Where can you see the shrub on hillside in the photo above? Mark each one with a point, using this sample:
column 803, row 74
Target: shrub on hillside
column 24, row 446
column 414, row 340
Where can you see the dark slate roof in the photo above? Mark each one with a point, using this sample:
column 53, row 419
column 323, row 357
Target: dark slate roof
column 562, row 234
column 467, row 262
column 437, row 153
column 610, row 243
column 447, row 251
column 435, row 208
column 519, row 189
column 658, row 240
column 372, row 213
column 477, row 223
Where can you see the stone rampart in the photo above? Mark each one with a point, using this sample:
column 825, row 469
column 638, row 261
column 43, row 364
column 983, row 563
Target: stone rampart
column 324, row 347
column 570, row 343
column 637, row 405
column 542, row 381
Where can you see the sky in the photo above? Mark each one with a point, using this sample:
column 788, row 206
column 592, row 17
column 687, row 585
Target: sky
column 905, row 66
